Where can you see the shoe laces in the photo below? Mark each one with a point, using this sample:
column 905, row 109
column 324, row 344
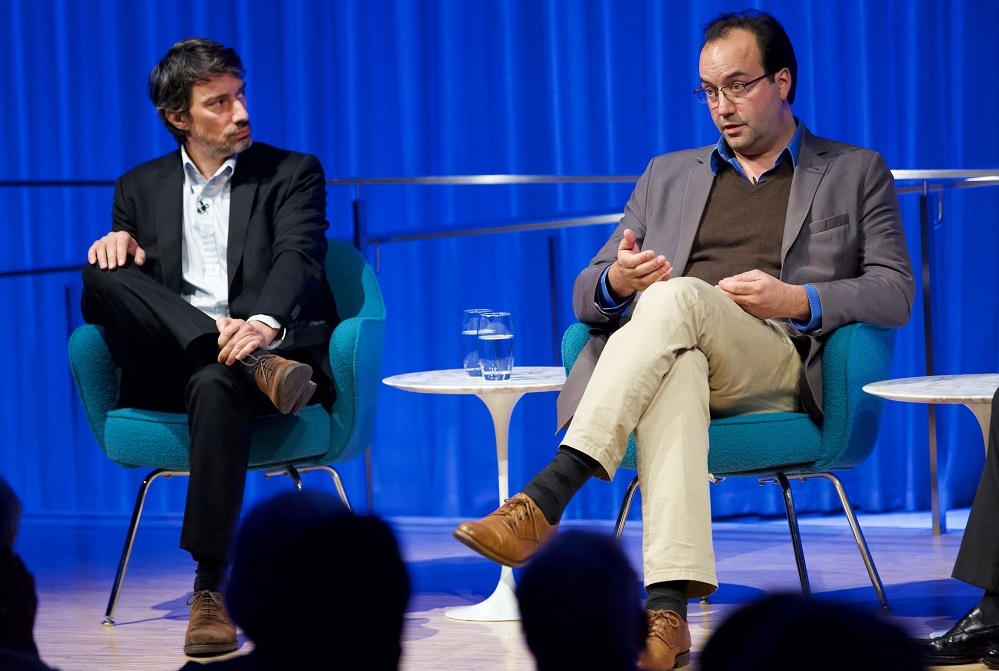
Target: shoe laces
column 209, row 604
column 658, row 621
column 264, row 365
column 516, row 509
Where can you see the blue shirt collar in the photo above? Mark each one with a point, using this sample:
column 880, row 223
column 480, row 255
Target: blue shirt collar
column 722, row 152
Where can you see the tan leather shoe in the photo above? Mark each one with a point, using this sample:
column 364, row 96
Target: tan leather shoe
column 668, row 643
column 209, row 631
column 511, row 534
column 287, row 383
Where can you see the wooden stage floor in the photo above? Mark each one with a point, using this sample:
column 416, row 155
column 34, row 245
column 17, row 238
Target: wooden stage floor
column 74, row 567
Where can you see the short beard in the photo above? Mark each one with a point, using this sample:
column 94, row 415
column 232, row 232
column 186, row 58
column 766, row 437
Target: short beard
column 240, row 145
column 231, row 147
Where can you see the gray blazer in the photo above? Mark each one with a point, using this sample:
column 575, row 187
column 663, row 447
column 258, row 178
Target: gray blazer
column 842, row 234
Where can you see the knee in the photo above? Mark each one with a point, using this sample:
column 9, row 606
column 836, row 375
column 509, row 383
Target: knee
column 680, row 286
column 678, row 293
column 212, row 382
column 93, row 276
column 96, row 279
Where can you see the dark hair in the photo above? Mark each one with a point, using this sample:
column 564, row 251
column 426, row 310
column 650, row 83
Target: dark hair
column 10, row 515
column 309, row 576
column 784, row 630
column 581, row 604
column 774, row 44
column 188, row 62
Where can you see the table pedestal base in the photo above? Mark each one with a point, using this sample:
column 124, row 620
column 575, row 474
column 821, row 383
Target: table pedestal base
column 500, row 606
column 500, row 398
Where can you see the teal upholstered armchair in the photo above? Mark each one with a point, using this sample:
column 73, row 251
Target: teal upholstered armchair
column 781, row 446
column 291, row 444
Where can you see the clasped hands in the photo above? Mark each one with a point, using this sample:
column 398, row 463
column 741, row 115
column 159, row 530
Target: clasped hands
column 237, row 337
column 756, row 292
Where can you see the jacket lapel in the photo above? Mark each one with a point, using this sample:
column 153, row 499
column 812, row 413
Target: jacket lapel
column 170, row 222
column 241, row 198
column 699, row 181
column 812, row 165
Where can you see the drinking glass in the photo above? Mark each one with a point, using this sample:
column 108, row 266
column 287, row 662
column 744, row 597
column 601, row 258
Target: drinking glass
column 470, row 340
column 495, row 345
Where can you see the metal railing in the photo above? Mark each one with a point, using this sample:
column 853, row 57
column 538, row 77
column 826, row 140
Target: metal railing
column 929, row 186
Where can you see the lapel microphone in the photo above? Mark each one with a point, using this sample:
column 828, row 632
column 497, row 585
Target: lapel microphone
column 202, row 206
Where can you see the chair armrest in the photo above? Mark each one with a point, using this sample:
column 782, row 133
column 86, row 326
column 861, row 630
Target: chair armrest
column 573, row 341
column 854, row 355
column 356, row 360
column 97, row 377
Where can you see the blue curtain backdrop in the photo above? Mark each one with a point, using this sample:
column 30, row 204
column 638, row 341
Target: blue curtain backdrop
column 410, row 88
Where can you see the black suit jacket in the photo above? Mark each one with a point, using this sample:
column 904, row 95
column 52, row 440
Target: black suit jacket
column 277, row 239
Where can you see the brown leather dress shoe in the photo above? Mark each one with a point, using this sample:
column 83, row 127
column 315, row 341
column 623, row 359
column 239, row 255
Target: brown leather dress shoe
column 668, row 643
column 288, row 384
column 209, row 631
column 511, row 534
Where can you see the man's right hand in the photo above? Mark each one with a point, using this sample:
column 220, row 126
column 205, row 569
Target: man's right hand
column 114, row 249
column 634, row 269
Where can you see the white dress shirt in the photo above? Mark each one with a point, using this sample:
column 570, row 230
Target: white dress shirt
column 205, row 240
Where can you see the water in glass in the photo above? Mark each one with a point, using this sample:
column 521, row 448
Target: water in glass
column 470, row 340
column 496, row 345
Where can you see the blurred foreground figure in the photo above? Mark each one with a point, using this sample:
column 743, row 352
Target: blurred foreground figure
column 588, row 575
column 791, row 632
column 312, row 582
column 18, row 597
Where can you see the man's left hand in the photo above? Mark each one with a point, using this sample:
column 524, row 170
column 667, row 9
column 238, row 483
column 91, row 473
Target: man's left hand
column 238, row 338
column 766, row 297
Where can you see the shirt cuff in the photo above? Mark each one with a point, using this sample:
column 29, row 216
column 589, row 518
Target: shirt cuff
column 816, row 307
column 274, row 324
column 605, row 302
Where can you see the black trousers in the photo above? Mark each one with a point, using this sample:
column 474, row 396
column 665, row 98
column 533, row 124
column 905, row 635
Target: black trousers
column 167, row 351
column 978, row 559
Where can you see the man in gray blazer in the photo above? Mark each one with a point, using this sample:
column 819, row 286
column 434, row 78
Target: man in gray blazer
column 731, row 266
column 212, row 293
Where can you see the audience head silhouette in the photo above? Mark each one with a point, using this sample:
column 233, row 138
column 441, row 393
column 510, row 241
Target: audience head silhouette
column 310, row 579
column 782, row 632
column 18, row 597
column 10, row 515
column 587, row 575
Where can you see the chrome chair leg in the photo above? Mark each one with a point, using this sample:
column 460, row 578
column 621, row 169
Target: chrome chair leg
column 622, row 515
column 133, row 527
column 295, row 474
column 792, row 523
column 858, row 536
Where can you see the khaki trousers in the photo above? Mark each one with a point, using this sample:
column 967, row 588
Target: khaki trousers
column 688, row 354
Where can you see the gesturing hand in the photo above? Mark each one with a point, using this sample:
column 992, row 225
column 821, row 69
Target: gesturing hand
column 634, row 269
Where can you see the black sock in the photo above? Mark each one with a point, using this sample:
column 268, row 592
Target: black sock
column 249, row 364
column 210, row 574
column 670, row 595
column 990, row 606
column 558, row 482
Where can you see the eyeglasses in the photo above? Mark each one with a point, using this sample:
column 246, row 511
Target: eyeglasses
column 734, row 92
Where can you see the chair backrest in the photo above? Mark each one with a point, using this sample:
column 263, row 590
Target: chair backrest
column 354, row 283
column 854, row 355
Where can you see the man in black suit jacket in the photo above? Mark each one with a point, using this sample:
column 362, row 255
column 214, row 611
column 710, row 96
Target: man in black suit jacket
column 213, row 297
column 976, row 635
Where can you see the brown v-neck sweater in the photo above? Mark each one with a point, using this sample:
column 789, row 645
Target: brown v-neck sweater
column 743, row 225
